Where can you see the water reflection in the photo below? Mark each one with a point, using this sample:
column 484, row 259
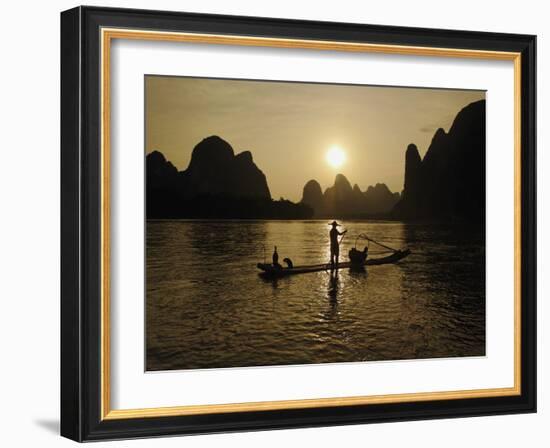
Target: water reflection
column 333, row 287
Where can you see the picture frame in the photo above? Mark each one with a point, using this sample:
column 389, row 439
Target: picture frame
column 86, row 37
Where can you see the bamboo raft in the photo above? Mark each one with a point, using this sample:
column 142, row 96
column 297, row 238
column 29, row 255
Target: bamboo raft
column 271, row 271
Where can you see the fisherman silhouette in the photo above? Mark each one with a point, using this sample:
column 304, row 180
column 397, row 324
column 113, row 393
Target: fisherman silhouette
column 334, row 243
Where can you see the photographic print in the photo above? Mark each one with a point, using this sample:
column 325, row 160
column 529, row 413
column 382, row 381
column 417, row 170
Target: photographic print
column 326, row 209
column 292, row 223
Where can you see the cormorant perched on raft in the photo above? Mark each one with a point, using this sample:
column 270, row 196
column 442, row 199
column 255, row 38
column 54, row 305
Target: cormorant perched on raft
column 275, row 260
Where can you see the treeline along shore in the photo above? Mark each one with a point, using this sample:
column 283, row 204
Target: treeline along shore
column 448, row 184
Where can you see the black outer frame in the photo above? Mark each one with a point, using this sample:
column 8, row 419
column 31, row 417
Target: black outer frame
column 81, row 225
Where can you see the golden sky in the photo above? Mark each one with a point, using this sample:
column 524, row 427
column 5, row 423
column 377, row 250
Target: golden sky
column 289, row 127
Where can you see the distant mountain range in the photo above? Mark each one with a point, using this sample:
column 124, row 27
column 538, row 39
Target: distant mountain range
column 342, row 200
column 447, row 185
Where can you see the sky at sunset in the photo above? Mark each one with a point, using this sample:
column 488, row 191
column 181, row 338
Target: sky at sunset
column 290, row 127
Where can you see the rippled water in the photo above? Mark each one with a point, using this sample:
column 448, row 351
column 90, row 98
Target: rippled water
column 206, row 306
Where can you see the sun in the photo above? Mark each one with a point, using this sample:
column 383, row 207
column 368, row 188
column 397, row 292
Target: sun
column 336, row 157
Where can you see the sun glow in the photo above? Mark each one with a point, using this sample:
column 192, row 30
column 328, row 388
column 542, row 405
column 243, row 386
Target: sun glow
column 336, row 157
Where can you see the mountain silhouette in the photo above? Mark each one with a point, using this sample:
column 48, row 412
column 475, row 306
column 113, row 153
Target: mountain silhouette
column 379, row 199
column 449, row 183
column 338, row 200
column 313, row 195
column 343, row 200
column 216, row 184
column 215, row 169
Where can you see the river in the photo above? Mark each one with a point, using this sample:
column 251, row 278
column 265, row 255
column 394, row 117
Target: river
column 206, row 306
